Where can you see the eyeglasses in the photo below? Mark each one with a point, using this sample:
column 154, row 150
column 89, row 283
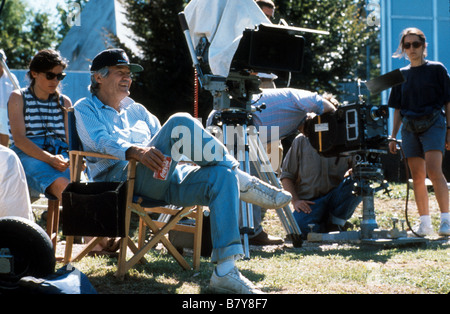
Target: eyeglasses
column 124, row 74
column 415, row 44
column 51, row 76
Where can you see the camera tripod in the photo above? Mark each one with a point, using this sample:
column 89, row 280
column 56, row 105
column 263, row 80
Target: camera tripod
column 232, row 100
column 242, row 140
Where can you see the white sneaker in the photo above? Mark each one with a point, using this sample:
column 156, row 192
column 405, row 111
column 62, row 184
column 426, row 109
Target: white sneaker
column 233, row 282
column 260, row 193
column 423, row 230
column 444, row 229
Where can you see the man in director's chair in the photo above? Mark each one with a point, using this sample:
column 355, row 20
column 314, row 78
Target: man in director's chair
column 110, row 122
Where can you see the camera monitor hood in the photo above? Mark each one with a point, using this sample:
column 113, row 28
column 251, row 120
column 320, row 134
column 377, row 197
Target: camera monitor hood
column 385, row 81
column 222, row 23
column 270, row 47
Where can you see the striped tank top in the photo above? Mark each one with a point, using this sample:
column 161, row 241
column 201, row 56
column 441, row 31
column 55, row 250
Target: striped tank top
column 43, row 117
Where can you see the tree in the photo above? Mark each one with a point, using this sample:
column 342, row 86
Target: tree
column 166, row 85
column 339, row 57
column 22, row 33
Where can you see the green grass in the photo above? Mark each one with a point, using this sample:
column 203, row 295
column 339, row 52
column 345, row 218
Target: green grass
column 334, row 268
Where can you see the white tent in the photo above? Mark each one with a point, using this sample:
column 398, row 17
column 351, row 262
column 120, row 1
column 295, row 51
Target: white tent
column 98, row 19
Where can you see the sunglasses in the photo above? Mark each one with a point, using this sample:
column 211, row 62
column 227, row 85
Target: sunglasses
column 51, row 76
column 415, row 44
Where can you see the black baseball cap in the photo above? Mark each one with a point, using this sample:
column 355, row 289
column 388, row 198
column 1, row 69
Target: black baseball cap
column 112, row 57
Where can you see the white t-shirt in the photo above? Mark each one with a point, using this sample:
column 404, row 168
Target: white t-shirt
column 6, row 87
column 14, row 197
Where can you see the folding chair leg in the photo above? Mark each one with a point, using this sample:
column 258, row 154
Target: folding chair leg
column 142, row 232
column 68, row 250
column 53, row 222
column 159, row 236
column 197, row 238
column 69, row 243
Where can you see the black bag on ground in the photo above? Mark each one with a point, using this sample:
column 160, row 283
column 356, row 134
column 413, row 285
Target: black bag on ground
column 94, row 209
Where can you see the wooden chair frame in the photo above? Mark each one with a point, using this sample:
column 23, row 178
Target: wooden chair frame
column 52, row 225
column 159, row 230
column 53, row 221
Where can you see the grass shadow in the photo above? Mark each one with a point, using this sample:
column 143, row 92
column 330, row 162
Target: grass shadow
column 355, row 252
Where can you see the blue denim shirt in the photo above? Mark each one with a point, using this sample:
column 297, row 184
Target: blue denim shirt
column 105, row 130
column 286, row 109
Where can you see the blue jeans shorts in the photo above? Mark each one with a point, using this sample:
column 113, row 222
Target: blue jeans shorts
column 416, row 144
column 40, row 175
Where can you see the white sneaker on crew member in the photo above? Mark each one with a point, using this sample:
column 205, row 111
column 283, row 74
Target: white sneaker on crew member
column 444, row 229
column 233, row 282
column 423, row 230
column 255, row 191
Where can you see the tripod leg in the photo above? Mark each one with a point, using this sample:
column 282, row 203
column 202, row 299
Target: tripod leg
column 265, row 172
column 247, row 227
column 241, row 154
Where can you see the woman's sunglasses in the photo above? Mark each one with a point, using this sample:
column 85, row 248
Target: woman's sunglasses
column 51, row 76
column 415, row 44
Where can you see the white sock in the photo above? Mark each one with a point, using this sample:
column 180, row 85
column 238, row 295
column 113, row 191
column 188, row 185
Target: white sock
column 425, row 220
column 243, row 177
column 445, row 216
column 225, row 266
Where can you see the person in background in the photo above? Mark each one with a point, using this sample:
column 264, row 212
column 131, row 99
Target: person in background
column 14, row 196
column 422, row 108
column 6, row 87
column 268, row 7
column 321, row 188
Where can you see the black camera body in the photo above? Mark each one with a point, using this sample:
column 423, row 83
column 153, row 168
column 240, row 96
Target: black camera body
column 352, row 128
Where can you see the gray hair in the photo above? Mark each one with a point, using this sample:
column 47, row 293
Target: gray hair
column 95, row 87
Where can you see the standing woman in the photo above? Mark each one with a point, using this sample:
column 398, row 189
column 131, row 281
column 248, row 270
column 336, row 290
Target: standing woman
column 422, row 105
column 38, row 125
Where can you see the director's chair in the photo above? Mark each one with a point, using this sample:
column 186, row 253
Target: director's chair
column 142, row 207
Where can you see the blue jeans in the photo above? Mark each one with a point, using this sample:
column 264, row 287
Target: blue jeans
column 211, row 182
column 417, row 144
column 336, row 207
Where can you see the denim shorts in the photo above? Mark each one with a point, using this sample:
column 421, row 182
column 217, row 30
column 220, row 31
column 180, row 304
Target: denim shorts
column 40, row 175
column 416, row 144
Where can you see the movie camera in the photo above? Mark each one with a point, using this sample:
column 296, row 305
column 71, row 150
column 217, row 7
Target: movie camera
column 352, row 128
column 359, row 130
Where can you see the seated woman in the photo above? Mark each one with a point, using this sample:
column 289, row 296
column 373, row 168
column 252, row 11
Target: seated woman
column 38, row 125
